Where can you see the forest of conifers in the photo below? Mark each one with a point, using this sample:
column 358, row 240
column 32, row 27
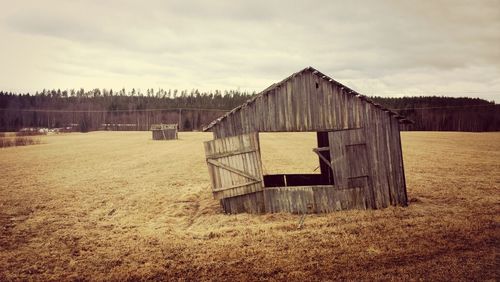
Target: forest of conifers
column 134, row 110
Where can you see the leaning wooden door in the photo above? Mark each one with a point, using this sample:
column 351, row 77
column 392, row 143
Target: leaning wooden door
column 234, row 165
column 350, row 161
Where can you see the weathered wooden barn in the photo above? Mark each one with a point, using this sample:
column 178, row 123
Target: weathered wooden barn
column 359, row 150
column 164, row 131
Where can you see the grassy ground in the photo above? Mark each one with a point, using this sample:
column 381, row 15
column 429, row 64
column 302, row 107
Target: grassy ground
column 118, row 205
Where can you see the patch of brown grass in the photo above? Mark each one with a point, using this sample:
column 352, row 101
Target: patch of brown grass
column 119, row 206
column 18, row 141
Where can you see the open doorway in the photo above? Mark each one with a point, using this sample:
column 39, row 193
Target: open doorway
column 295, row 159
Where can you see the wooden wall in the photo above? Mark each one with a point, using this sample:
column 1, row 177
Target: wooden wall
column 305, row 102
column 313, row 199
column 249, row 203
column 164, row 134
column 298, row 199
column 367, row 170
column 386, row 160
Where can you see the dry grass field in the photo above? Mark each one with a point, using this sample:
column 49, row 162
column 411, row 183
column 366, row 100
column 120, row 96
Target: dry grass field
column 120, row 206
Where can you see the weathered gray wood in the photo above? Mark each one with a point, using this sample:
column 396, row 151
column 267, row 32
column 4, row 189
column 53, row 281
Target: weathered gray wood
column 164, row 134
column 313, row 199
column 164, row 131
column 365, row 151
column 237, row 171
column 318, row 150
column 232, row 153
column 349, row 159
column 236, row 186
column 249, row 203
column 230, row 173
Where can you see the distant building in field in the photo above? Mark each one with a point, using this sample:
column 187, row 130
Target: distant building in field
column 359, row 150
column 164, row 131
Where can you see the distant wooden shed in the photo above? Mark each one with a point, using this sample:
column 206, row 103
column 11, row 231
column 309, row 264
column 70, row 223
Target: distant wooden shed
column 359, row 150
column 164, row 131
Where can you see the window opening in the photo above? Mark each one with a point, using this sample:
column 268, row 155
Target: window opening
column 295, row 159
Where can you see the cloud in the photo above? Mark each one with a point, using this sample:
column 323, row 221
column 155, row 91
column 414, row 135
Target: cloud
column 251, row 44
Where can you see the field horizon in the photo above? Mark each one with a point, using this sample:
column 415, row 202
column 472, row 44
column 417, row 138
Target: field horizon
column 121, row 206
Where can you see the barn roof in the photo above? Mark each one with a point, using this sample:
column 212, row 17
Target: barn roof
column 163, row 126
column 320, row 75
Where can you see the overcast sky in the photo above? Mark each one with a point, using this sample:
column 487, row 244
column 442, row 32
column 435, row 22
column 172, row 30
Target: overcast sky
column 388, row 48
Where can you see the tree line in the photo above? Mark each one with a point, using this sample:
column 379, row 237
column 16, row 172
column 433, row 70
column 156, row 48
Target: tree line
column 106, row 109
column 115, row 110
column 431, row 113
